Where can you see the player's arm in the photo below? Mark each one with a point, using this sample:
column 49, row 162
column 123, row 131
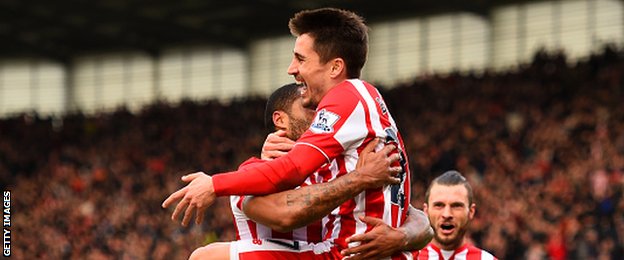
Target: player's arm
column 287, row 210
column 383, row 240
column 276, row 145
column 272, row 176
column 418, row 230
column 267, row 177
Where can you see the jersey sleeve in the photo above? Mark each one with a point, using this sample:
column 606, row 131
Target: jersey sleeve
column 339, row 123
column 250, row 161
column 272, row 176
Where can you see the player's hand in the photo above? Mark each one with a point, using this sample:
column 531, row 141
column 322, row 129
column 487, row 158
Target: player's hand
column 197, row 195
column 375, row 168
column 381, row 241
column 276, row 145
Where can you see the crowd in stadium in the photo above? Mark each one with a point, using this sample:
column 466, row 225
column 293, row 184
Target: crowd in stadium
column 542, row 145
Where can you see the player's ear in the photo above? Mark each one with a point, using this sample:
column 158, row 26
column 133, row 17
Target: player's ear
column 338, row 67
column 472, row 210
column 426, row 209
column 280, row 119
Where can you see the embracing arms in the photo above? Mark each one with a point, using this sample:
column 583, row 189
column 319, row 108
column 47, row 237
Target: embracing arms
column 302, row 206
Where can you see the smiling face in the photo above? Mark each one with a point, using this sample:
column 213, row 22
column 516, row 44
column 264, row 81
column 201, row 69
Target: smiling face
column 449, row 213
column 307, row 68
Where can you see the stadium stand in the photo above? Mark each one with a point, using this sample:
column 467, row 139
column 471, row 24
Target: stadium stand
column 543, row 147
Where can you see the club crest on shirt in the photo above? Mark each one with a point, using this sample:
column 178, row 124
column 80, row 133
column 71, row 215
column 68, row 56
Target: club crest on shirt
column 324, row 122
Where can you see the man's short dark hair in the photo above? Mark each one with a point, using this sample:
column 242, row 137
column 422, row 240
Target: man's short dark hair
column 281, row 99
column 451, row 178
column 337, row 34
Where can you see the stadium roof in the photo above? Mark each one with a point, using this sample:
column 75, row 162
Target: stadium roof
column 61, row 29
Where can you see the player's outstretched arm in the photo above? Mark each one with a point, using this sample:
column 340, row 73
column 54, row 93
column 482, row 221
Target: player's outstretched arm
column 287, row 210
column 253, row 178
column 197, row 195
column 383, row 240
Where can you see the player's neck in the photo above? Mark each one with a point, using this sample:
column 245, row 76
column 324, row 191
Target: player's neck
column 450, row 247
column 334, row 81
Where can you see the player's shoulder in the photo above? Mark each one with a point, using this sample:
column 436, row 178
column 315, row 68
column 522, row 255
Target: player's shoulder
column 354, row 86
column 340, row 97
column 346, row 88
column 349, row 90
column 484, row 254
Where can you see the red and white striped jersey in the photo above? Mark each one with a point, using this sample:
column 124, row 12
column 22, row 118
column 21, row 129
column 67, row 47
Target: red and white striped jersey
column 466, row 252
column 248, row 229
column 349, row 116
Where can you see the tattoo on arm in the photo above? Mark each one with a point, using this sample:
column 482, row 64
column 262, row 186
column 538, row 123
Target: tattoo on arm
column 302, row 206
column 312, row 202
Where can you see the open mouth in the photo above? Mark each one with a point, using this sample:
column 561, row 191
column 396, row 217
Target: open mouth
column 447, row 228
column 303, row 88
